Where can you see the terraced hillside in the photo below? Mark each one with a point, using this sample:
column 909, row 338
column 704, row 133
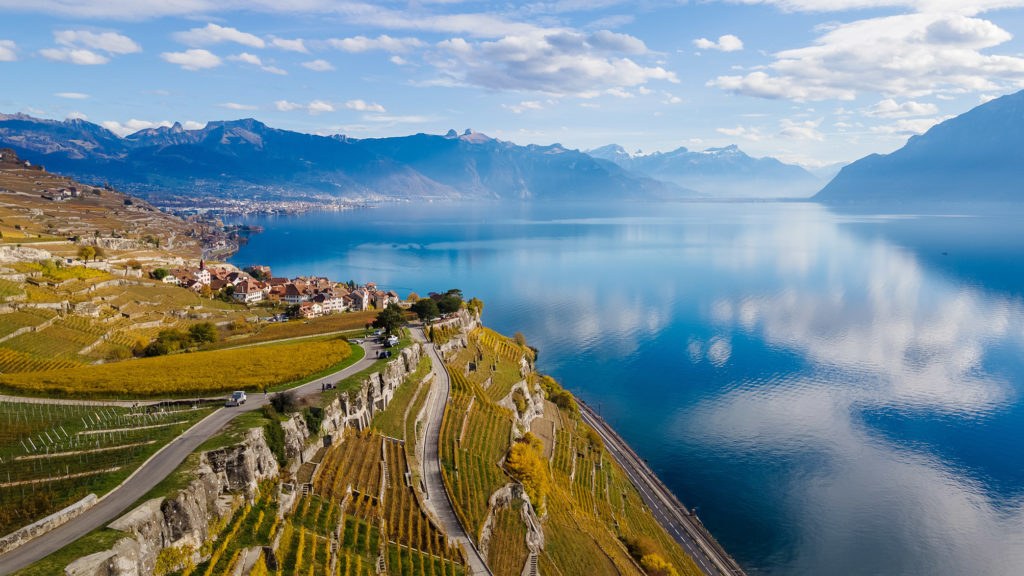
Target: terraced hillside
column 592, row 517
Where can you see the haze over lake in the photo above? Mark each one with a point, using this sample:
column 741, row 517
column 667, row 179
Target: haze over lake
column 837, row 394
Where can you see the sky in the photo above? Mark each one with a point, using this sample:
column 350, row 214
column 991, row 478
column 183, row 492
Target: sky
column 808, row 81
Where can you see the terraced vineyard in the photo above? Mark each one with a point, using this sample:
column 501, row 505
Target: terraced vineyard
column 18, row 319
column 507, row 553
column 595, row 507
column 497, row 362
column 470, row 460
column 52, row 455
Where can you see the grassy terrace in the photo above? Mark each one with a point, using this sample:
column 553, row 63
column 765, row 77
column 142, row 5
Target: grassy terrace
column 54, row 455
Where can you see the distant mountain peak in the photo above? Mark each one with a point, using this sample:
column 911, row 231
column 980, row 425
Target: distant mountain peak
column 474, row 137
column 452, row 134
column 722, row 172
column 730, row 149
column 976, row 156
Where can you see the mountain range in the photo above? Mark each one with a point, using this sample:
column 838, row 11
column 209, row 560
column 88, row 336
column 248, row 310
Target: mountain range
column 977, row 156
column 718, row 172
column 248, row 159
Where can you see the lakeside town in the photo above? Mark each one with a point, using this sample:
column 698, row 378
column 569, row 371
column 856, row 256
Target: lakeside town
column 309, row 296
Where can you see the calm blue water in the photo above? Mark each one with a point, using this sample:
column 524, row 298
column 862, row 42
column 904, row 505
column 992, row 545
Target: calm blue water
column 832, row 392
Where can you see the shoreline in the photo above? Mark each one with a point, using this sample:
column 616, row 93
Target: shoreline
column 666, row 508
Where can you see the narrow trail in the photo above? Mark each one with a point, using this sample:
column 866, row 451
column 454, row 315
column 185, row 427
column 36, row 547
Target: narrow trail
column 437, row 497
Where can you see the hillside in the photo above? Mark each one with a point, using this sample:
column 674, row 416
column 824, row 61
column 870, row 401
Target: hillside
column 974, row 157
column 248, row 159
column 37, row 205
column 717, row 172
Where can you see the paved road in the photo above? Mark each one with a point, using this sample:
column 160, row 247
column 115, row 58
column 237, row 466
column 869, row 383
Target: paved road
column 665, row 507
column 437, row 497
column 153, row 471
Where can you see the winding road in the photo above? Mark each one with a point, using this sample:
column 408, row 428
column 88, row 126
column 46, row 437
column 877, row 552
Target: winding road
column 158, row 467
column 436, row 496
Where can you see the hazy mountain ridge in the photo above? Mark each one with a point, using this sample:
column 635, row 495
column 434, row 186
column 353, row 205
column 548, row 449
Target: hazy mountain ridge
column 246, row 158
column 977, row 156
column 718, row 172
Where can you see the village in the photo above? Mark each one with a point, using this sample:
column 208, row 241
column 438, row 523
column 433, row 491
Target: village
column 306, row 296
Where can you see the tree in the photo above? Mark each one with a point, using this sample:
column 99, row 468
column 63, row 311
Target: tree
column 476, row 306
column 159, row 273
column 524, row 463
column 99, row 254
column 450, row 302
column 86, row 253
column 202, row 332
column 425, row 308
column 519, row 339
column 413, row 297
column 206, row 291
column 655, row 565
column 390, row 319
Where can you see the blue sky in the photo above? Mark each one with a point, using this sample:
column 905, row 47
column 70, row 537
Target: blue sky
column 809, row 81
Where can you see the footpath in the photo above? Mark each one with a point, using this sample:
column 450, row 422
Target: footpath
column 436, row 496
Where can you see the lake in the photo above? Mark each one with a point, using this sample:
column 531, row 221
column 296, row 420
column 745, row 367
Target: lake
column 835, row 393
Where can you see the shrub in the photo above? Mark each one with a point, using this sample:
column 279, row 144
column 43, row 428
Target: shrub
column 655, row 565
column 284, row 402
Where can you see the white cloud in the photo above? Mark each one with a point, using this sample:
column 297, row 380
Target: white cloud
column 214, row 34
column 247, row 58
column 313, row 108
column 619, row 93
column 615, row 42
column 237, row 106
column 192, row 125
column 805, row 130
column 195, row 59
column 319, row 107
column 556, row 62
column 80, row 56
column 725, row 43
column 132, row 126
column 318, row 65
column 72, row 95
column 906, row 126
column 746, row 132
column 889, row 108
column 7, row 51
column 396, row 59
column 383, row 42
column 908, row 55
column 364, row 106
column 296, row 45
column 76, row 116
column 524, row 106
column 109, row 42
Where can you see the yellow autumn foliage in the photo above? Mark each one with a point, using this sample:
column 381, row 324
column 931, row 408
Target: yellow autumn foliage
column 186, row 374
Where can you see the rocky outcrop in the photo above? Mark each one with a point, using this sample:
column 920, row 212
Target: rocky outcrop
column 184, row 520
column 534, row 406
column 505, row 496
column 242, row 466
column 10, row 254
column 356, row 408
column 296, row 433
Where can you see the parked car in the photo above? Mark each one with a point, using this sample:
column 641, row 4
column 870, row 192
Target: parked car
column 391, row 341
column 237, row 398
